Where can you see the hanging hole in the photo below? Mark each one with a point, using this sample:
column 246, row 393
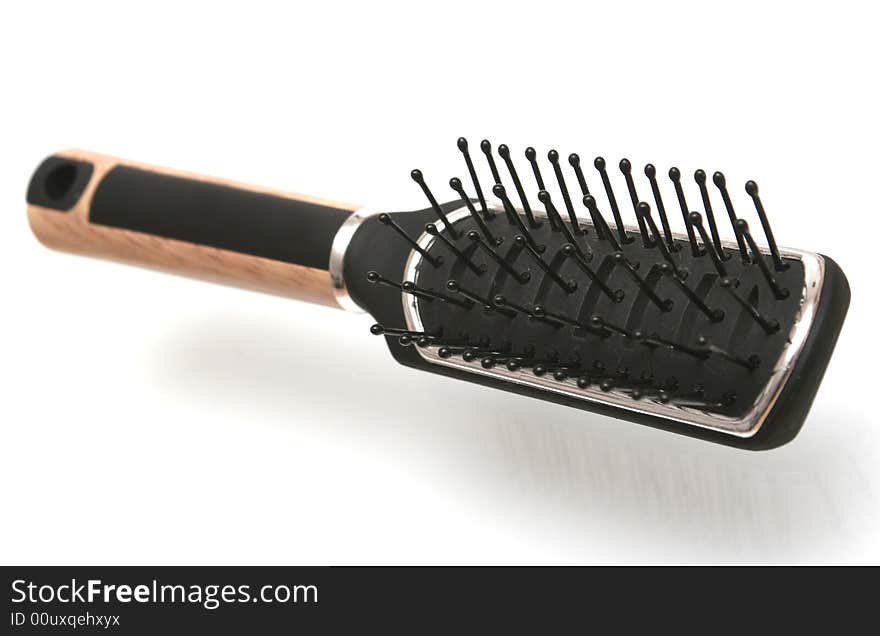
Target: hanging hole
column 60, row 180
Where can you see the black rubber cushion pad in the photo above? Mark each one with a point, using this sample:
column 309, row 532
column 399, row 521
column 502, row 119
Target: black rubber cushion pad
column 717, row 376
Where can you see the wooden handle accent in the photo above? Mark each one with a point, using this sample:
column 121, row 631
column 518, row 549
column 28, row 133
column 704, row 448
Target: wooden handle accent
column 202, row 227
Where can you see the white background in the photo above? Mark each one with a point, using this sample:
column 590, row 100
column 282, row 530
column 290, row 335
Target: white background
column 151, row 419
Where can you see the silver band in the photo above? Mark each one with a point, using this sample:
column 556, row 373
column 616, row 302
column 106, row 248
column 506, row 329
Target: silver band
column 337, row 258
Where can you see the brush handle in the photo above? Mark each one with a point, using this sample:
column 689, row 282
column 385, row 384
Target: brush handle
column 197, row 226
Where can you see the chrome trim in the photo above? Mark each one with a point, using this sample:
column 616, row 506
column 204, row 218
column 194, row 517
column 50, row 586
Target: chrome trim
column 337, row 258
column 745, row 426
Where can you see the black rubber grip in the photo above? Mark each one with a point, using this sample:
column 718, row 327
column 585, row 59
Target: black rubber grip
column 225, row 217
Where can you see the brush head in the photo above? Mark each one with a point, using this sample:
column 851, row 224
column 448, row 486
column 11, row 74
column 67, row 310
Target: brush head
column 683, row 331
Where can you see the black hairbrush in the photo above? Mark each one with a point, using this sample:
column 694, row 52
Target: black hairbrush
column 558, row 298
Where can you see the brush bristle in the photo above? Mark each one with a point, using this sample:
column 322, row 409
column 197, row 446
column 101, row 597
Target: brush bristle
column 567, row 291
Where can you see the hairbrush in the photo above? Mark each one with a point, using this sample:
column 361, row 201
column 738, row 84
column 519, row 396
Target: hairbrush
column 553, row 296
